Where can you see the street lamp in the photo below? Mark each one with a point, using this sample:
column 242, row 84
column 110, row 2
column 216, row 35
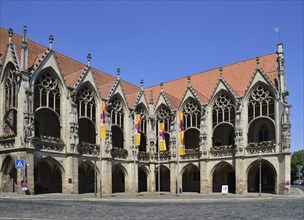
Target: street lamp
column 260, row 173
column 95, row 152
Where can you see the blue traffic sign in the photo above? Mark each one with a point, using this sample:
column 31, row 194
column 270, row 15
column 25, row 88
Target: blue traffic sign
column 19, row 164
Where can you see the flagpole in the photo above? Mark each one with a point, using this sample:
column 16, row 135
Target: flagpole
column 177, row 154
column 100, row 168
column 134, row 142
column 101, row 140
column 158, row 173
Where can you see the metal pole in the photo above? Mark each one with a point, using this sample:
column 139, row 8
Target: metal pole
column 134, row 154
column 100, row 168
column 178, row 183
column 158, row 173
column 177, row 154
column 260, row 182
column 134, row 151
column 95, row 178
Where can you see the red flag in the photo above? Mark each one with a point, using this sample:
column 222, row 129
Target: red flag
column 103, row 120
column 137, row 129
column 162, row 141
column 181, row 128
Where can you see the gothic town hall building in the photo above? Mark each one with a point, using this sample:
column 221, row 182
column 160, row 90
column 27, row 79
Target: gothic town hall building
column 236, row 118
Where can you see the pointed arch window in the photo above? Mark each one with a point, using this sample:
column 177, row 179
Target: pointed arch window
column 192, row 115
column 11, row 90
column 86, row 107
column 223, row 110
column 116, row 112
column 140, row 110
column 86, row 104
column 117, row 119
column 163, row 116
column 143, row 130
column 47, row 92
column 261, row 103
column 11, row 100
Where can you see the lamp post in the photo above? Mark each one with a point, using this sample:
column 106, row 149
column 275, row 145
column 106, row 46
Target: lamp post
column 95, row 152
column 134, row 156
column 260, row 172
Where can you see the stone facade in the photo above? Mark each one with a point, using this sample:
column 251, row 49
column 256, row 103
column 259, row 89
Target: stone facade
column 50, row 108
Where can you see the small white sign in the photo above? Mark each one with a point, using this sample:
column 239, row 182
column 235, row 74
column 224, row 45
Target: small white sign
column 224, row 189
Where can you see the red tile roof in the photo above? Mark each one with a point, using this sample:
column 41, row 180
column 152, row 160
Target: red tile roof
column 70, row 69
column 237, row 75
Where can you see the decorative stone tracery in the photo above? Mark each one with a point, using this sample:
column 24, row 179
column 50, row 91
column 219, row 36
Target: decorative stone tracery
column 261, row 103
column 47, row 92
column 223, row 110
column 192, row 115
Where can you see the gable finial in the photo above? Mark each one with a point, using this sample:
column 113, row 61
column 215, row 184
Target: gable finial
column 89, row 57
column 161, row 87
column 189, row 80
column 221, row 72
column 51, row 39
column 141, row 84
column 118, row 73
column 151, row 97
column 258, row 62
column 10, row 35
column 24, row 40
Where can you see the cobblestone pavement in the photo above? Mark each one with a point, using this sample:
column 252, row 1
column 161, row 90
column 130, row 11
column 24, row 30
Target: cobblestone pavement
column 152, row 206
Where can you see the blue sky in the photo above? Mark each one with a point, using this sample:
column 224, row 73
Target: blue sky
column 159, row 41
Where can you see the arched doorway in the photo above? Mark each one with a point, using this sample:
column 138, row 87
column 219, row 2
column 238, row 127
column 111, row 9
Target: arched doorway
column 142, row 180
column 9, row 178
column 268, row 177
column 86, row 177
column 164, row 179
column 47, row 176
column 118, row 179
column 191, row 178
column 223, row 174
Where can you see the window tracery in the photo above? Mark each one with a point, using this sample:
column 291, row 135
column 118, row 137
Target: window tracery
column 86, row 103
column 116, row 111
column 47, row 92
column 140, row 110
column 163, row 115
column 223, row 110
column 261, row 103
column 192, row 115
column 11, row 88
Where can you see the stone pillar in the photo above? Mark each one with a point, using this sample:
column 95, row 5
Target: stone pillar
column 107, row 176
column 70, row 179
column 30, row 165
column 205, row 185
column 240, row 177
column 173, row 177
column 152, row 179
column 129, row 179
column 283, row 173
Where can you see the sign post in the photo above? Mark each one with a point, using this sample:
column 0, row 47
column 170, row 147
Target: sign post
column 19, row 164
